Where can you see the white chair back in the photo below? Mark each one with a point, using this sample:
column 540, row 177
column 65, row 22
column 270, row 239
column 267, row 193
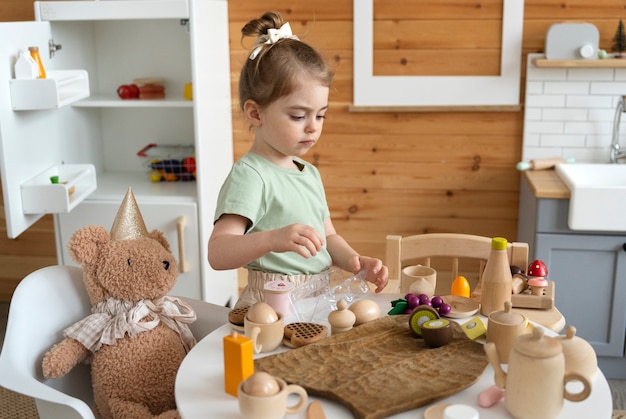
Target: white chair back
column 44, row 303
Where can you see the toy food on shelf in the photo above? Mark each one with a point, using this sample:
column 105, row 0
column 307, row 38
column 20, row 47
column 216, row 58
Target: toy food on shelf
column 128, row 91
column 150, row 88
column 142, row 88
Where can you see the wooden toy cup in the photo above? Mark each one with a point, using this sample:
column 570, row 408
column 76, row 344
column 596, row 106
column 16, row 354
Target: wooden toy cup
column 418, row 279
column 266, row 336
column 273, row 406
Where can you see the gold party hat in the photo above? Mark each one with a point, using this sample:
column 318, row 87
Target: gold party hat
column 128, row 223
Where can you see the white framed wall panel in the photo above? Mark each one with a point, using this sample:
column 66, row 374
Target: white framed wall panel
column 428, row 91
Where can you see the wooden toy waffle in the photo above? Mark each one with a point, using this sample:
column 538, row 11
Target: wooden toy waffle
column 303, row 333
column 236, row 315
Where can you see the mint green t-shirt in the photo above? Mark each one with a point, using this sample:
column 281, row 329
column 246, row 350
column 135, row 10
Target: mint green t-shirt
column 271, row 197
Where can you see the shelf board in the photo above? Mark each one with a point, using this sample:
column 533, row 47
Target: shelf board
column 75, row 183
column 110, row 101
column 112, row 10
column 604, row 63
column 58, row 89
column 112, row 184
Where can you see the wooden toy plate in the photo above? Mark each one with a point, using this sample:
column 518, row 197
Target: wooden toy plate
column 236, row 327
column 380, row 368
column 461, row 306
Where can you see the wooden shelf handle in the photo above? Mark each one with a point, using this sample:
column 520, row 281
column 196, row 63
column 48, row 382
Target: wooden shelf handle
column 181, row 223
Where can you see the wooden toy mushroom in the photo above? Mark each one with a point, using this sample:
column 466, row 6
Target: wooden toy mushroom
column 537, row 272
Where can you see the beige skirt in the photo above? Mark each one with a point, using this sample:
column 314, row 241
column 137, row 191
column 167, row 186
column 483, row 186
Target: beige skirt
column 305, row 285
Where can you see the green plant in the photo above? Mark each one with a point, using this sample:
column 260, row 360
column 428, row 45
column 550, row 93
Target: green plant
column 619, row 40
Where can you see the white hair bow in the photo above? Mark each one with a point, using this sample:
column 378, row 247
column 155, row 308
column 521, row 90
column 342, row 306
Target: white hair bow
column 272, row 36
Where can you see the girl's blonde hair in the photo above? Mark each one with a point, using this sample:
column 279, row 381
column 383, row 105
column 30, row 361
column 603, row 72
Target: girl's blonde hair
column 279, row 67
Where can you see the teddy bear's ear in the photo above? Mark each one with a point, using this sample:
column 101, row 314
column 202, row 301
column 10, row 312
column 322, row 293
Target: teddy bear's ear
column 158, row 236
column 84, row 243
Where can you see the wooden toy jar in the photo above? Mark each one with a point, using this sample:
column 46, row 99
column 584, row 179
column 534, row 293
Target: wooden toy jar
column 536, row 381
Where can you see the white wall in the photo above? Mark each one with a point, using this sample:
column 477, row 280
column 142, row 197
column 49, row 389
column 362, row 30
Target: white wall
column 569, row 112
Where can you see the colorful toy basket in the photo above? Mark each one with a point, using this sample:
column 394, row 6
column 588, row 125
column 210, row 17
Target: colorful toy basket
column 170, row 163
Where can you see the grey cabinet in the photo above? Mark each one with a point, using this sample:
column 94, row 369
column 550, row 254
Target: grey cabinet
column 589, row 271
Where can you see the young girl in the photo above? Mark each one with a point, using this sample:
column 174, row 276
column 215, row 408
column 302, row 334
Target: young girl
column 272, row 216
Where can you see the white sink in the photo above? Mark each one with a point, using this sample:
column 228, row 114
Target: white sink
column 598, row 195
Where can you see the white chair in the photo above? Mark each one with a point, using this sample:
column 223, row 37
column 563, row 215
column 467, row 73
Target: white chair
column 44, row 303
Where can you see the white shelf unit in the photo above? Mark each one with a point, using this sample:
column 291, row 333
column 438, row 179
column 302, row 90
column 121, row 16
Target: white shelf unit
column 58, row 89
column 114, row 43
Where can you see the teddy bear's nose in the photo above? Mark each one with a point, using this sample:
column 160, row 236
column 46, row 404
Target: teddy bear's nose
column 166, row 265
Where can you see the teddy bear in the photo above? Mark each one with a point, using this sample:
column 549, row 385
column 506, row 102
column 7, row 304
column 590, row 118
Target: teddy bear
column 137, row 335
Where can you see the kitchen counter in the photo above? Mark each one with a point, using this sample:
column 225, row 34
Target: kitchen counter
column 546, row 184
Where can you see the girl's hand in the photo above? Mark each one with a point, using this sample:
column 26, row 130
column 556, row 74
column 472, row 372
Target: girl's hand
column 377, row 273
column 298, row 238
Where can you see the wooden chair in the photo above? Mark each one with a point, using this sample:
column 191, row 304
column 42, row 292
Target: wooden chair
column 452, row 255
column 457, row 254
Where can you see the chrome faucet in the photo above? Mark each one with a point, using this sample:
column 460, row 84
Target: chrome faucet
column 616, row 153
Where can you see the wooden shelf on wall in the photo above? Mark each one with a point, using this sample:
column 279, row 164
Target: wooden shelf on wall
column 604, row 63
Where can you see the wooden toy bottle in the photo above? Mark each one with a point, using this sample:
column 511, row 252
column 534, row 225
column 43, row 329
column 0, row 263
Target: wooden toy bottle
column 34, row 53
column 496, row 279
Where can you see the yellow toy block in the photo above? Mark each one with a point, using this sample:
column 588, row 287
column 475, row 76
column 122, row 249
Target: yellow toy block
column 238, row 361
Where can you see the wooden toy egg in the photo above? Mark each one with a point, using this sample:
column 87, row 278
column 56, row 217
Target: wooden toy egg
column 365, row 311
column 262, row 313
column 260, row 384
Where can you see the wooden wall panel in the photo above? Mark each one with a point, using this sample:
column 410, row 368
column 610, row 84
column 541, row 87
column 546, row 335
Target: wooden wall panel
column 429, row 10
column 32, row 250
column 388, row 173
column 16, row 10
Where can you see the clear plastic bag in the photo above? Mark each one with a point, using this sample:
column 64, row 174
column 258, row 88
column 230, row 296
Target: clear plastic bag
column 314, row 300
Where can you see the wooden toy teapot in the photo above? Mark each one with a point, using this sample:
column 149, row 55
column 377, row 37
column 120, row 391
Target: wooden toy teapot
column 536, row 379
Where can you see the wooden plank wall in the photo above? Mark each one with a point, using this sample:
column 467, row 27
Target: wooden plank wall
column 408, row 173
column 390, row 173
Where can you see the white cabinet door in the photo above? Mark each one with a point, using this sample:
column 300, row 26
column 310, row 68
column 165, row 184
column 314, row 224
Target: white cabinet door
column 160, row 216
column 32, row 142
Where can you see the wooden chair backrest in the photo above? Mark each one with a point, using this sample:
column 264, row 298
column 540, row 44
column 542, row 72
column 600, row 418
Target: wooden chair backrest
column 423, row 248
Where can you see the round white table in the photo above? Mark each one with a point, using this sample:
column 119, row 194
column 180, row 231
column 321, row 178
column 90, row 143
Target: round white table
column 200, row 386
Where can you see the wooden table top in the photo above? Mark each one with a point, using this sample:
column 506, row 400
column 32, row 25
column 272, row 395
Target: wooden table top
column 547, row 184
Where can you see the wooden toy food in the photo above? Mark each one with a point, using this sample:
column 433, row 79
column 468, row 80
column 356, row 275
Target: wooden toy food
column 419, row 316
column 262, row 313
column 260, row 384
column 342, row 319
column 437, row 332
column 460, row 287
column 365, row 311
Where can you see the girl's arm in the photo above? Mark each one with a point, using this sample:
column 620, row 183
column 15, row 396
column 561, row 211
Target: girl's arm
column 348, row 259
column 231, row 248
